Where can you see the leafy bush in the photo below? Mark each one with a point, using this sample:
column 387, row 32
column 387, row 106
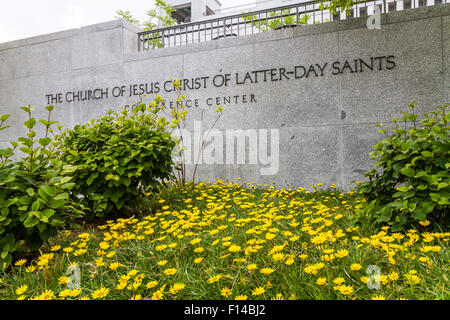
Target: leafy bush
column 119, row 156
column 410, row 181
column 34, row 198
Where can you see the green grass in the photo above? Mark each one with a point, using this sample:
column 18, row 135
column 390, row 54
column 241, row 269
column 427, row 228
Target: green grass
column 254, row 221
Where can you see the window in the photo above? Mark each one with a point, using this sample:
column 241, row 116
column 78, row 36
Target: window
column 182, row 13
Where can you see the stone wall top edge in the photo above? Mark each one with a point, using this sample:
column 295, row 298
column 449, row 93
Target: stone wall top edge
column 113, row 24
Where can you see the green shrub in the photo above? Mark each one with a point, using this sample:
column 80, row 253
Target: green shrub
column 119, row 156
column 34, row 198
column 410, row 181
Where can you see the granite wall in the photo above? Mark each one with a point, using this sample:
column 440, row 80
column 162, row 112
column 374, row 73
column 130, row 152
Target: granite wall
column 323, row 88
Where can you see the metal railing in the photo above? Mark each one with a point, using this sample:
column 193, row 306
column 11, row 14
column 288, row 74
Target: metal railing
column 265, row 20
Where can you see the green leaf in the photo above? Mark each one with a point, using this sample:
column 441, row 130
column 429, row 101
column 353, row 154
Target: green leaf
column 36, row 205
column 442, row 185
column 428, row 206
column 58, row 203
column 46, row 215
column 30, row 123
column 420, row 174
column 435, row 197
column 419, row 214
column 30, row 221
column 7, row 241
column 408, row 171
column 30, row 192
column 4, row 117
column 26, row 150
column 48, row 190
column 45, row 141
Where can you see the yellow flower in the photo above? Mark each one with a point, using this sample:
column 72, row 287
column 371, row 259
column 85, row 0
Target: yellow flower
column 289, row 261
column 342, row 253
column 46, row 295
column 75, row 292
column 65, row 293
column 355, row 267
column 378, row 297
column 241, row 297
column 412, row 279
column 161, row 247
column 266, row 271
column 151, row 284
column 258, row 291
column 115, row 265
column 198, row 260
column 55, row 248
column 393, row 276
column 339, row 280
column 278, row 256
column 162, row 263
column 270, row 236
column 424, row 223
column 321, row 281
column 42, row 263
column 226, row 292
column 132, row 273
column 213, row 279
column 122, row 285
column 159, row 294
column 251, row 267
column 99, row 262
column 346, row 290
column 30, row 269
column 234, row 248
column 20, row 262
column 104, row 245
column 100, row 293
column 177, row 287
column 170, row 271
column 21, row 290
column 63, row 280
column 199, row 250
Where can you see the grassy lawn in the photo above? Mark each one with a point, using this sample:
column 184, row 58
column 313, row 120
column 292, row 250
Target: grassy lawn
column 230, row 241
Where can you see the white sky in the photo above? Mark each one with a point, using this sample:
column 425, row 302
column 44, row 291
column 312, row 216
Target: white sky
column 27, row 18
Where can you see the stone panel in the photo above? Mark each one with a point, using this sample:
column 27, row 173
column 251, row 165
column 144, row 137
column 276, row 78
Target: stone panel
column 378, row 96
